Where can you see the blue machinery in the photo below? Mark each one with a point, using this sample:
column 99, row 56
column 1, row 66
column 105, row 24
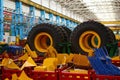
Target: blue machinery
column 21, row 27
column 105, row 66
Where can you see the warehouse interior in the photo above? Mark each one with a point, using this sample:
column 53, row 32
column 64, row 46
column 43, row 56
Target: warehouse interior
column 59, row 40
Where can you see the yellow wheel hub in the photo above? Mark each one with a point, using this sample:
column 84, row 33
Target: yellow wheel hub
column 84, row 41
column 94, row 44
column 43, row 41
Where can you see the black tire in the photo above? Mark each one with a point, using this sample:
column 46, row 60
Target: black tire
column 97, row 27
column 112, row 35
column 64, row 32
column 55, row 32
column 113, row 42
column 68, row 31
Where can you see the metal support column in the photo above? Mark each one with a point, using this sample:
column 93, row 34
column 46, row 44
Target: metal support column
column 63, row 22
column 30, row 21
column 32, row 16
column 72, row 25
column 68, row 23
column 51, row 18
column 1, row 20
column 13, row 23
column 42, row 17
column 58, row 20
column 19, row 19
column 76, row 24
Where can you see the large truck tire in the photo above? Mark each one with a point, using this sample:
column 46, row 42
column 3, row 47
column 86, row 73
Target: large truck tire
column 68, row 44
column 81, row 35
column 43, row 36
column 111, row 37
column 64, row 32
column 68, row 31
column 112, row 34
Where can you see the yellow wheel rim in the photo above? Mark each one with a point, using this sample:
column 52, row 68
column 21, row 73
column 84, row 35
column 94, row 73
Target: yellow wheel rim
column 86, row 44
column 83, row 41
column 93, row 41
column 43, row 41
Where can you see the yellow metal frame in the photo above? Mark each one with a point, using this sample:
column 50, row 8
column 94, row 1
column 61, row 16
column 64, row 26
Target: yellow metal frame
column 83, row 41
column 110, row 22
column 40, row 41
column 114, row 28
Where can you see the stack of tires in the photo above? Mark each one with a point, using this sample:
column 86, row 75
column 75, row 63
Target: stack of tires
column 45, row 35
column 84, row 38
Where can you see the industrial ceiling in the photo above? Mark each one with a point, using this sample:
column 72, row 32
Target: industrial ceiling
column 100, row 10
